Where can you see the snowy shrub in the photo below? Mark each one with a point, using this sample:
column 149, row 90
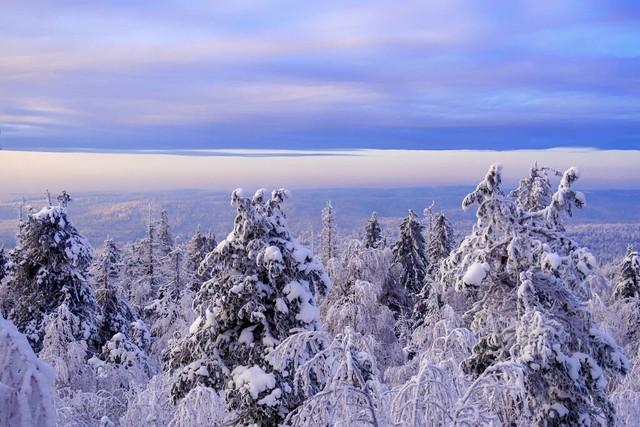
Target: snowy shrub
column 26, row 383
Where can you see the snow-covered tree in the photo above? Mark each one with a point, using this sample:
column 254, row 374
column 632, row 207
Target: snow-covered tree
column 150, row 405
column 3, row 264
column 534, row 191
column 440, row 242
column 48, row 269
column 198, row 248
column 357, row 299
column 328, row 235
column 120, row 350
column 628, row 278
column 143, row 266
column 373, row 233
column 165, row 314
column 626, row 394
column 26, row 382
column 165, row 239
column 409, row 252
column 264, row 286
column 340, row 380
column 115, row 314
column 66, row 350
column 105, row 270
column 518, row 261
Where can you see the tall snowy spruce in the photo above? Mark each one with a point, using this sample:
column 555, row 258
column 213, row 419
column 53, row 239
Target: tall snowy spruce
column 626, row 299
column 522, row 286
column 328, row 235
column 263, row 288
column 115, row 314
column 627, row 283
column 3, row 264
column 198, row 248
column 48, row 270
column 165, row 314
column 534, row 192
column 373, row 233
column 165, row 239
column 143, row 266
column 410, row 253
column 440, row 242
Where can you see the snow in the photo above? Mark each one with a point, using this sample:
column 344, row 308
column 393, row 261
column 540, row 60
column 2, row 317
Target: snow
column 272, row 398
column 552, row 261
column 272, row 254
column 195, row 325
column 476, row 273
column 281, row 306
column 254, row 379
column 246, row 336
column 560, row 409
column 308, row 313
column 294, row 290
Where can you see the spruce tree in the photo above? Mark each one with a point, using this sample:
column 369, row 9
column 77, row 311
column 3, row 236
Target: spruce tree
column 518, row 261
column 165, row 314
column 49, row 268
column 440, row 242
column 3, row 264
column 373, row 233
column 628, row 278
column 165, row 242
column 410, row 253
column 116, row 315
column 143, row 266
column 264, row 287
column 198, row 248
column 534, row 192
column 328, row 236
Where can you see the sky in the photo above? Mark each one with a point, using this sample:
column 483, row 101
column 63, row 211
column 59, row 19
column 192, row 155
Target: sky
column 501, row 75
column 31, row 173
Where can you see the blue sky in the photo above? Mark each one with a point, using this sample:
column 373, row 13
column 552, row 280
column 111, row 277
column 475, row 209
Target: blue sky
column 331, row 74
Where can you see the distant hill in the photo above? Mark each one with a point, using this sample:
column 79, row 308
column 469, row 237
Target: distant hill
column 610, row 221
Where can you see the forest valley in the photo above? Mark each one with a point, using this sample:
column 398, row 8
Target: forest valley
column 514, row 325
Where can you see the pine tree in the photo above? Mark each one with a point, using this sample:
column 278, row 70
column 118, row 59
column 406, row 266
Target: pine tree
column 26, row 382
column 409, row 253
column 116, row 315
column 534, row 192
column 328, row 236
column 628, row 279
column 263, row 287
column 164, row 237
column 373, row 233
column 3, row 264
column 165, row 313
column 48, row 268
column 518, row 261
column 143, row 266
column 198, row 248
column 440, row 243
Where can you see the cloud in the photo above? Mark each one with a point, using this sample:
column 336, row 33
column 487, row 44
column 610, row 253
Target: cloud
column 76, row 70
